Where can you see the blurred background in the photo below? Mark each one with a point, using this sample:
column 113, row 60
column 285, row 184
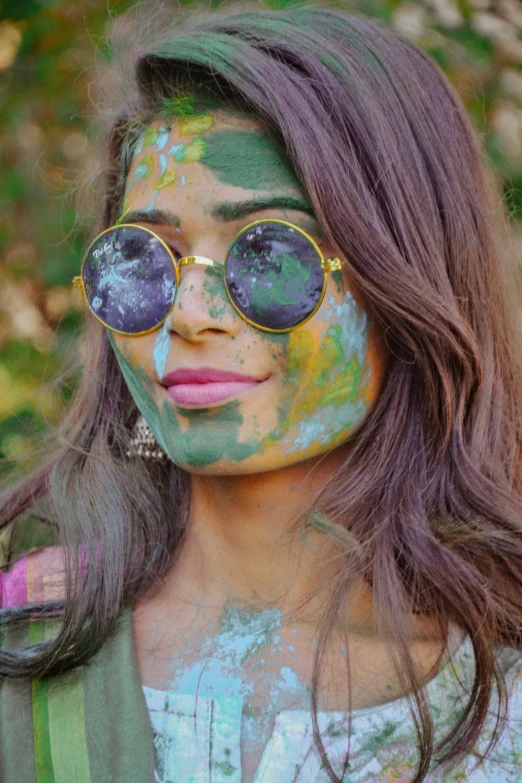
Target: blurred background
column 45, row 47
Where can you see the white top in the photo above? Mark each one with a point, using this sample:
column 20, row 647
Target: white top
column 197, row 738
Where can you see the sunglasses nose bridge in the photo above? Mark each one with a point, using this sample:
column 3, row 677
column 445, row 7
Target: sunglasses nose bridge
column 199, row 261
column 186, row 261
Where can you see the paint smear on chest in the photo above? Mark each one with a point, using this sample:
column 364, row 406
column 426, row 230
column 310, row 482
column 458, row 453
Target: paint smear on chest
column 248, row 658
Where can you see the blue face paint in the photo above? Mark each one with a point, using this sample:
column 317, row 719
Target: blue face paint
column 177, row 152
column 163, row 137
column 161, row 350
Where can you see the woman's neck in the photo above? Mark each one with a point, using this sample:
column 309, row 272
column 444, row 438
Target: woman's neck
column 247, row 537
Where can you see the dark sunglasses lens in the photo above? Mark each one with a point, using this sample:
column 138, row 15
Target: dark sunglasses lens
column 129, row 279
column 274, row 275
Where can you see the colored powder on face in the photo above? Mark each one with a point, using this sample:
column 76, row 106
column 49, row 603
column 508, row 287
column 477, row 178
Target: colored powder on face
column 150, row 137
column 353, row 323
column 188, row 153
column 214, row 285
column 326, row 382
column 212, row 434
column 168, row 178
column 144, row 168
column 161, row 350
column 332, row 381
column 337, row 277
column 163, row 137
column 194, row 150
column 218, row 301
column 177, row 151
column 195, row 125
column 217, row 313
column 248, row 160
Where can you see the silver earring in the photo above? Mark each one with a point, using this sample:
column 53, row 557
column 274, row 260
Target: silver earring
column 144, row 444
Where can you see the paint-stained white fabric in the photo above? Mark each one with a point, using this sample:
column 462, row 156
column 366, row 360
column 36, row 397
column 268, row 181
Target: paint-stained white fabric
column 198, row 739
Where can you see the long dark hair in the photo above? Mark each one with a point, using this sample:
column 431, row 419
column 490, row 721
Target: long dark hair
column 427, row 508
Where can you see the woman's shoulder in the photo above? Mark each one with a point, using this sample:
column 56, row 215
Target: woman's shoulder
column 36, row 577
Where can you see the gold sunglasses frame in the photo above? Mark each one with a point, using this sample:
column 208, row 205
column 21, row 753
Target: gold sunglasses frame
column 327, row 265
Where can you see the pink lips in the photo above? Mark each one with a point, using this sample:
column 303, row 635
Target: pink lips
column 205, row 386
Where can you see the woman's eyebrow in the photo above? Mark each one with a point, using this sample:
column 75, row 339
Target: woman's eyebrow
column 225, row 211
column 228, row 211
column 159, row 217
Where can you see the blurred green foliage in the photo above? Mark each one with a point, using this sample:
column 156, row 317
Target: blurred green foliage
column 45, row 46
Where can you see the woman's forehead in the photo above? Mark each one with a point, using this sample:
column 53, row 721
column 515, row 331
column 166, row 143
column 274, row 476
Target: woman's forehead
column 238, row 150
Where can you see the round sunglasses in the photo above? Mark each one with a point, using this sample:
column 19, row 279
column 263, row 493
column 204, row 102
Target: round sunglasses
column 274, row 272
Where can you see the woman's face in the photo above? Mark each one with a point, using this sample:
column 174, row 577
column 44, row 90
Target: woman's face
column 196, row 181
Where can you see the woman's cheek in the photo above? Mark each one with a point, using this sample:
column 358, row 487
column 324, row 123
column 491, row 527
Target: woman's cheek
column 329, row 385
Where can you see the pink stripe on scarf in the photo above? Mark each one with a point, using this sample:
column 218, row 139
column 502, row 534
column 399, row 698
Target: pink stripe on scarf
column 13, row 590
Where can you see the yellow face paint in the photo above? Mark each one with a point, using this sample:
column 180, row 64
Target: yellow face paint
column 329, row 384
column 166, row 179
column 193, row 126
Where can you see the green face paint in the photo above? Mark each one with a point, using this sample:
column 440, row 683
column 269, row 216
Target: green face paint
column 212, row 434
column 337, row 277
column 248, row 160
column 218, row 301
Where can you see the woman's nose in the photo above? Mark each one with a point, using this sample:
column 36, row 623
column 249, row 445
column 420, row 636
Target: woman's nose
column 202, row 305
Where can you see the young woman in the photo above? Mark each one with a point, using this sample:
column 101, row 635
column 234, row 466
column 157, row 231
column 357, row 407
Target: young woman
column 287, row 496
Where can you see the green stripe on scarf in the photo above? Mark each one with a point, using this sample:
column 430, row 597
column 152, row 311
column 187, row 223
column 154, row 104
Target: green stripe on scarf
column 43, row 761
column 67, row 728
column 42, row 746
column 60, row 743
